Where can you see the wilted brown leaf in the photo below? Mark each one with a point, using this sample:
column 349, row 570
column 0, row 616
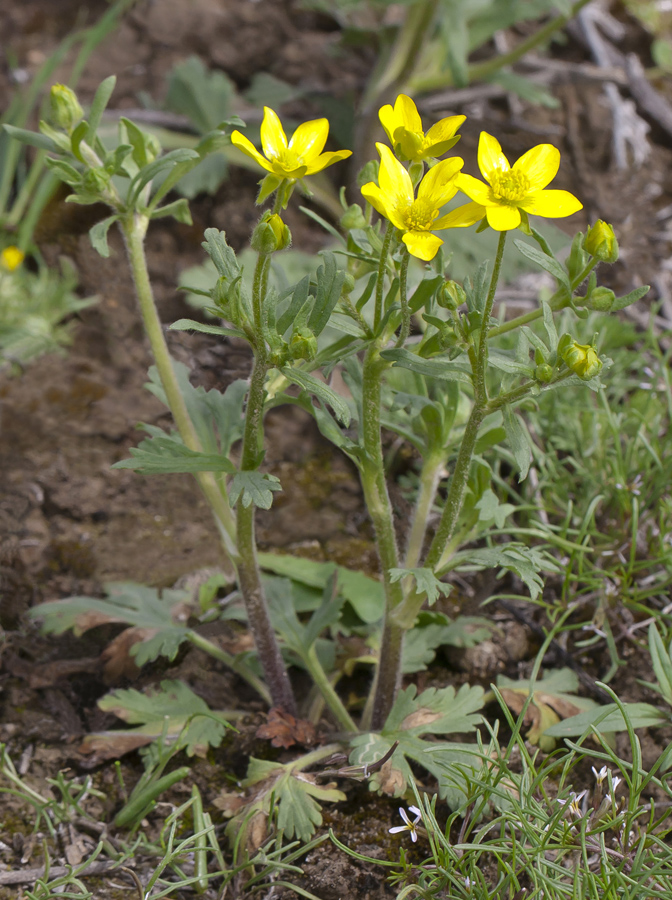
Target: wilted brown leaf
column 284, row 730
column 391, row 780
column 117, row 659
column 110, row 745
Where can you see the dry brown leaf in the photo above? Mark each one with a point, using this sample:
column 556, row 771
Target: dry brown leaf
column 284, row 730
column 391, row 780
column 117, row 659
column 110, row 745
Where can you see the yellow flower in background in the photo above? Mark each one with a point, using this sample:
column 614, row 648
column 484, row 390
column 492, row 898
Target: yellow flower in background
column 302, row 155
column 518, row 188
column 403, row 126
column 11, row 258
column 417, row 217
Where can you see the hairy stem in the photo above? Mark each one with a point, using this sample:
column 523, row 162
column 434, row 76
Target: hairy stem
column 388, row 673
column 249, row 574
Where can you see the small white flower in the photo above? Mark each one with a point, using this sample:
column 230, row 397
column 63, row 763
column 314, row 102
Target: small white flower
column 601, row 775
column 409, row 826
column 467, row 882
column 615, row 783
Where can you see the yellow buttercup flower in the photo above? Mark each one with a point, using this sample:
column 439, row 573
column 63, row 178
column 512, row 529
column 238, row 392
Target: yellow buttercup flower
column 512, row 190
column 403, row 126
column 417, row 217
column 11, row 258
column 302, row 155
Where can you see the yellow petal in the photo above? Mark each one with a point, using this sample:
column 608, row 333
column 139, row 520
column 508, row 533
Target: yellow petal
column 540, row 165
column 388, row 120
column 394, row 180
column 445, row 129
column 239, row 140
column 273, row 137
column 503, row 218
column 474, row 189
column 422, row 244
column 461, row 217
column 551, row 204
column 309, row 139
column 490, row 156
column 407, row 113
column 438, row 186
column 435, row 150
column 326, row 159
column 374, row 195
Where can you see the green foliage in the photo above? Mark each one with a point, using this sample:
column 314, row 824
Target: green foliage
column 35, row 312
column 253, row 488
column 133, row 604
column 171, row 709
column 284, row 794
column 433, row 712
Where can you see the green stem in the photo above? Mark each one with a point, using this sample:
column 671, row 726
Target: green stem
column 458, row 483
column 326, row 688
column 557, row 301
column 374, row 485
column 380, row 283
column 236, row 665
column 133, row 228
column 482, row 71
column 403, row 299
column 430, row 475
column 249, row 573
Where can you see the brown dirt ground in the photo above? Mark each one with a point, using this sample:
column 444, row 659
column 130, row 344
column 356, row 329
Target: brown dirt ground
column 69, row 523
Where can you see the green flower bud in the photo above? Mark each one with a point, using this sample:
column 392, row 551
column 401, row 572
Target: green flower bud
column 582, row 359
column 95, row 181
column 66, row 111
column 602, row 299
column 271, row 234
column 303, row 344
column 348, row 284
column 451, row 295
column 544, row 373
column 368, row 173
column 353, row 217
column 600, row 241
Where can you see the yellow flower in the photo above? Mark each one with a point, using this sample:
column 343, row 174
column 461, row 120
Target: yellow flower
column 11, row 258
column 394, row 198
column 404, row 129
column 301, row 156
column 512, row 189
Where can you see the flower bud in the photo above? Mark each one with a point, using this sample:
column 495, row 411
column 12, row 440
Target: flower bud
column 348, row 284
column 582, row 359
column 271, row 234
column 303, row 344
column 65, row 109
column 11, row 258
column 544, row 373
column 96, row 181
column 451, row 295
column 353, row 217
column 368, row 173
column 600, row 241
column 601, row 299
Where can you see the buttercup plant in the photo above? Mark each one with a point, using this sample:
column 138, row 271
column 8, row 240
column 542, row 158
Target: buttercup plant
column 417, row 352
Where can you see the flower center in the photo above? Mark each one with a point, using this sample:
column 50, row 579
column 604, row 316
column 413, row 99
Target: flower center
column 419, row 216
column 509, row 186
column 287, row 160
